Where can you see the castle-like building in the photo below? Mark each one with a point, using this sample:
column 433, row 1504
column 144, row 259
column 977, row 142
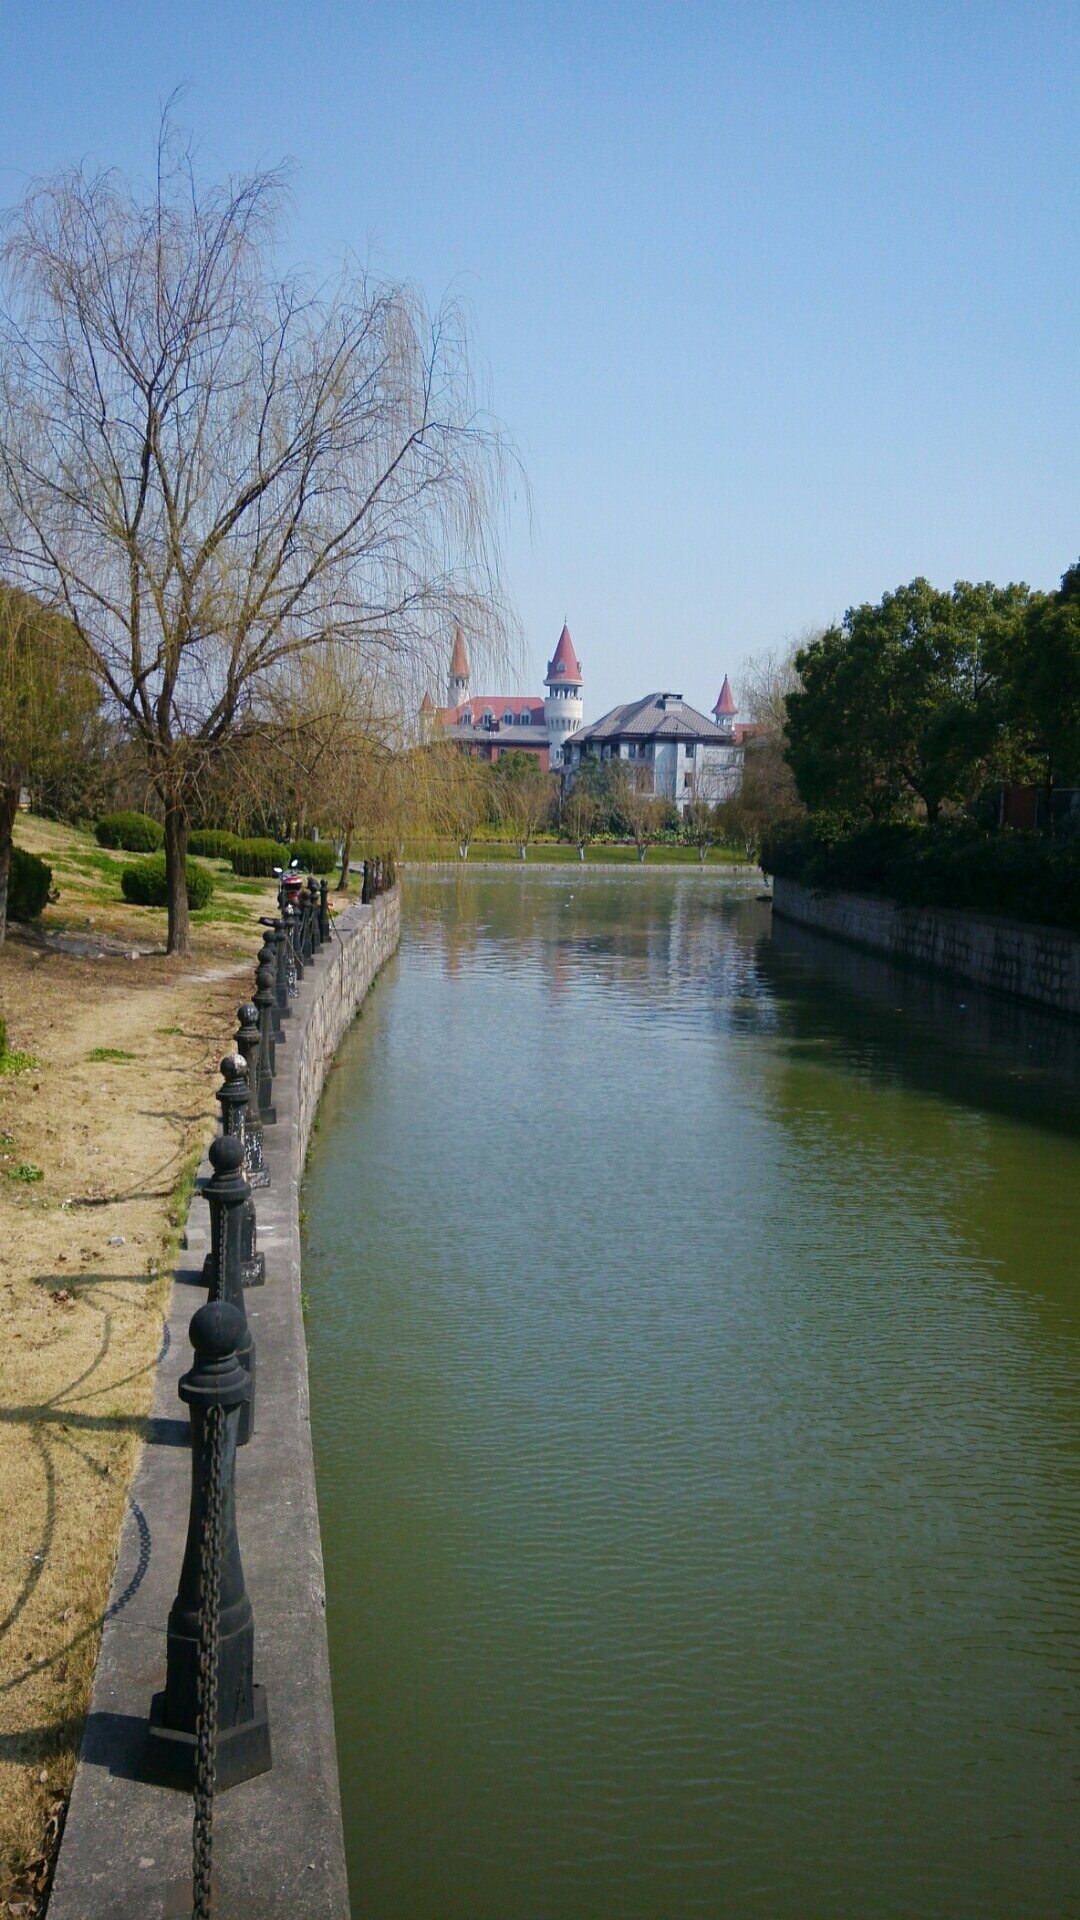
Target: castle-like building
column 680, row 752
column 490, row 724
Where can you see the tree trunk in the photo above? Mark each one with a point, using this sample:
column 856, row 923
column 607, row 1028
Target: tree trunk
column 701, row 852
column 521, row 849
column 581, row 850
column 463, row 850
column 177, row 828
column 9, row 807
column 346, row 858
column 641, row 852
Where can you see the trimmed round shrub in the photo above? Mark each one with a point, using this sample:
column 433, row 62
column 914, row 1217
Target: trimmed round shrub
column 134, row 832
column 258, row 858
column 29, row 885
column 315, row 856
column 143, row 884
column 213, row 844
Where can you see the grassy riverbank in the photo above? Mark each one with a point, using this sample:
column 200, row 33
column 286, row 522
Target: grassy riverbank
column 100, row 1135
column 547, row 852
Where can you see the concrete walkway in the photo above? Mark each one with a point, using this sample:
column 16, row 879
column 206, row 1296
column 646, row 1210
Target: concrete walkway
column 278, row 1849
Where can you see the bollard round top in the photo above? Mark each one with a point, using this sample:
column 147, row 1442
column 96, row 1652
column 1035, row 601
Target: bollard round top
column 216, row 1329
column 264, row 981
column 267, row 953
column 233, row 1067
column 226, row 1153
column 248, row 1014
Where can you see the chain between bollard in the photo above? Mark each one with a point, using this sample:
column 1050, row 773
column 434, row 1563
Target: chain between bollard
column 207, row 1708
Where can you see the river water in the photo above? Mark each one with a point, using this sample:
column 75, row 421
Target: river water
column 694, row 1325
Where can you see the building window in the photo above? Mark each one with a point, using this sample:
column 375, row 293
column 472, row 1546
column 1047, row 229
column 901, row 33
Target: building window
column 689, row 749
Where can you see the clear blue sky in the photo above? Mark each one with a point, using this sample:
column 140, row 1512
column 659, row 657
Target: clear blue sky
column 781, row 302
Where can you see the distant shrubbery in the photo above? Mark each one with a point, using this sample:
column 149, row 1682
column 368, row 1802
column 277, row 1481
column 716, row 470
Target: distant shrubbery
column 134, row 832
column 1020, row 875
column 212, row 843
column 143, row 883
column 29, row 885
column 258, row 857
column 315, row 856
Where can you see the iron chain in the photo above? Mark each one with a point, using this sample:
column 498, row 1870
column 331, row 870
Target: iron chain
column 206, row 1719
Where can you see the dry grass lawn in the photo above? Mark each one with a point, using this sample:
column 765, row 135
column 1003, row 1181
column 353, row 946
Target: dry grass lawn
column 95, row 1159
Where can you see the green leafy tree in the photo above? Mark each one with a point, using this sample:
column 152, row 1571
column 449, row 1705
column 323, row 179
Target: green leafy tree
column 1041, row 670
column 902, row 701
column 47, row 700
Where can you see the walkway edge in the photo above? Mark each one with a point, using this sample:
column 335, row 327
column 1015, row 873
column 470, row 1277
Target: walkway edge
column 278, row 1845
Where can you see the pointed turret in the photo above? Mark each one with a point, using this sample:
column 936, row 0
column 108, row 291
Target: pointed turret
column 725, row 709
column 457, row 686
column 563, row 709
column 564, row 667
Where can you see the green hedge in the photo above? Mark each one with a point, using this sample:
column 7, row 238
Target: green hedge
column 213, row 844
column 315, row 856
column 29, row 885
column 1019, row 875
column 134, row 832
column 258, row 857
column 143, row 883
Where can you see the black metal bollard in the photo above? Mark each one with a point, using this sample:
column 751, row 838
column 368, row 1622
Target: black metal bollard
column 306, row 949
column 210, row 1622
column 268, row 958
column 232, row 1097
column 293, row 968
column 365, row 884
column 226, row 1192
column 324, row 910
column 247, row 1046
column 313, row 899
column 264, row 1003
column 281, row 983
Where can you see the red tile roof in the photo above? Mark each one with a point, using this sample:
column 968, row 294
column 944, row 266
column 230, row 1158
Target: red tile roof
column 564, row 664
column 498, row 706
column 427, row 704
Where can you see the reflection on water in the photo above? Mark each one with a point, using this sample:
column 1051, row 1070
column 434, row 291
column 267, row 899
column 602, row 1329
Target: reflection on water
column 694, row 1322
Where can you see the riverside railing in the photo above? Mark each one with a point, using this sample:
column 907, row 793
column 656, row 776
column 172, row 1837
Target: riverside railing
column 209, row 1727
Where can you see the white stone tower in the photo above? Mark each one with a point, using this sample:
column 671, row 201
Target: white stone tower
column 457, row 686
column 564, row 709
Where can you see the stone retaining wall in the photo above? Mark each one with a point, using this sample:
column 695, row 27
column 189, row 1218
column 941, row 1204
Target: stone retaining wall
column 1040, row 965
column 278, row 1846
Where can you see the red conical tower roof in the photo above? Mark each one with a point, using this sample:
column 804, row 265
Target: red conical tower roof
column 726, row 703
column 564, row 663
column 427, row 704
column 459, row 664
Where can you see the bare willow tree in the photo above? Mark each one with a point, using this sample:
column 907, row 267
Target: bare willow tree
column 212, row 471
column 641, row 806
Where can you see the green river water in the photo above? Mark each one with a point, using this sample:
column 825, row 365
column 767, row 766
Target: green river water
column 694, row 1324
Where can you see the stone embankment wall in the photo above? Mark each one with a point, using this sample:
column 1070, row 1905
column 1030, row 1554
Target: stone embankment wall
column 344, row 978
column 278, row 1845
column 1040, row 965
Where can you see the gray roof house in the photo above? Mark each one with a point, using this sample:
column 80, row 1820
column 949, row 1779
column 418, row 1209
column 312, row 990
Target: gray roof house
column 685, row 753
